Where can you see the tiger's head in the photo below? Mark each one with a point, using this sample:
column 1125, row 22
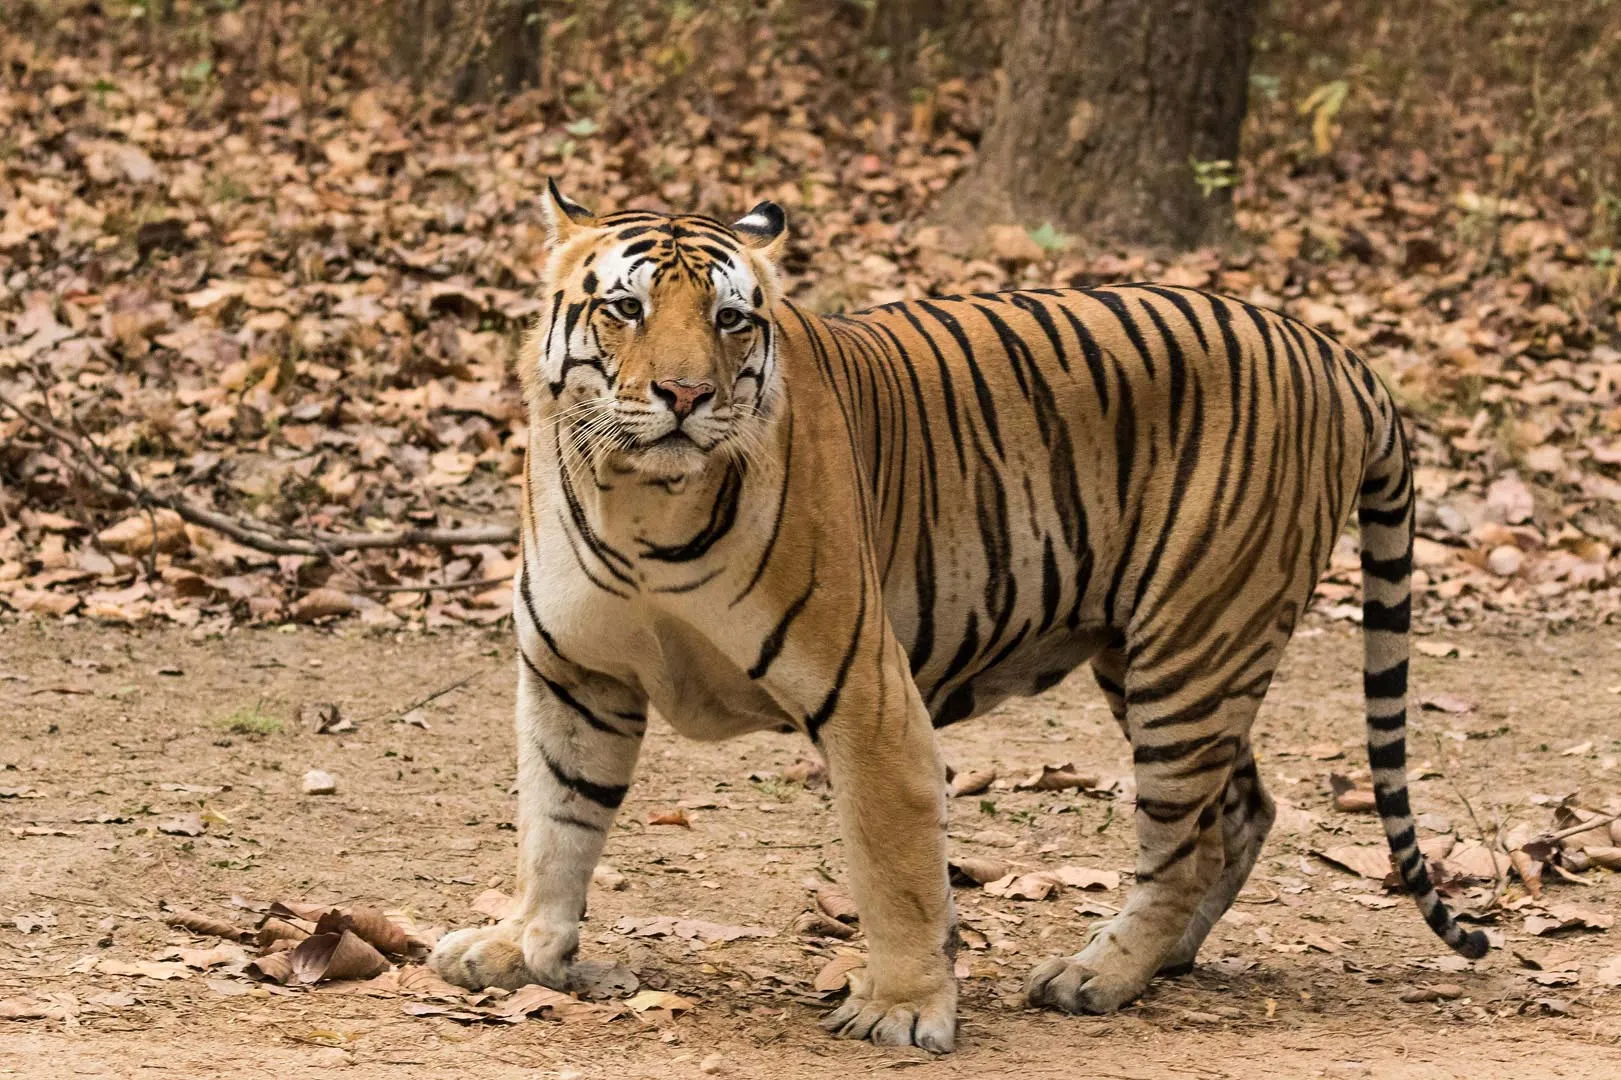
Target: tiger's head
column 656, row 349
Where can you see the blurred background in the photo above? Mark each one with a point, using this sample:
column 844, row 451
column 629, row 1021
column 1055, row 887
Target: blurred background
column 269, row 260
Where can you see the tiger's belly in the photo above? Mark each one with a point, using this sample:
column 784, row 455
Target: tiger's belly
column 1032, row 668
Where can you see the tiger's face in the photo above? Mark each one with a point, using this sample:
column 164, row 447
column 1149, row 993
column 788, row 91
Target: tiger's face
column 657, row 349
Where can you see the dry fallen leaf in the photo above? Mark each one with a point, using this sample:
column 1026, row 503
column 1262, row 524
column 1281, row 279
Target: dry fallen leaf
column 688, row 929
column 1365, row 861
column 817, row 924
column 1567, row 917
column 1057, row 778
column 972, row 870
column 1447, row 703
column 678, row 816
column 972, row 783
column 837, row 904
column 199, row 923
column 662, row 1000
column 496, row 904
column 184, row 825
column 1033, row 886
column 336, row 956
column 835, row 974
column 146, row 969
column 1081, row 877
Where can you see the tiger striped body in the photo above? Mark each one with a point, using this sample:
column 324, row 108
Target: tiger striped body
column 866, row 526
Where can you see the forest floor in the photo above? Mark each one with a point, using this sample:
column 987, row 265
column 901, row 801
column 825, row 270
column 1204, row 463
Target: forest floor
column 1306, row 976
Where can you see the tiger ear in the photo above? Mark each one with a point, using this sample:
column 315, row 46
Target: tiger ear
column 765, row 229
column 563, row 215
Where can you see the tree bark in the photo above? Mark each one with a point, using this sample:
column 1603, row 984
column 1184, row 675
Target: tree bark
column 473, row 49
column 1106, row 107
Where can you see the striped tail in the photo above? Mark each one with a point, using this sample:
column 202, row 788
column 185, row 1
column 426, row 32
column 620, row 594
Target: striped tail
column 1385, row 515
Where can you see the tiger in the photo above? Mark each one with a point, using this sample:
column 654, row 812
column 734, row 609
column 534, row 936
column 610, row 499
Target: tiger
column 863, row 527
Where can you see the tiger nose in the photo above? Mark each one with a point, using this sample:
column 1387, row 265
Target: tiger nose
column 683, row 396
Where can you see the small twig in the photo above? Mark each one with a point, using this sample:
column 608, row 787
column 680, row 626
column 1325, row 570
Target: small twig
column 1554, row 838
column 447, row 586
column 116, row 481
column 1499, row 879
column 434, row 696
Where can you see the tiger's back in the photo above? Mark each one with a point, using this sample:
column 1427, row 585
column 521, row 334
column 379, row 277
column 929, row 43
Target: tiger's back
column 1055, row 472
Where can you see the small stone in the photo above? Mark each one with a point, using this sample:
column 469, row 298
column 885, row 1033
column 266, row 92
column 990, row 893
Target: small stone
column 1418, row 995
column 712, row 1064
column 1448, row 991
column 1505, row 560
column 571, row 1074
column 606, row 877
column 318, row 782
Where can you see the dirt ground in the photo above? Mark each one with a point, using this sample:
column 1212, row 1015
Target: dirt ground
column 1303, row 979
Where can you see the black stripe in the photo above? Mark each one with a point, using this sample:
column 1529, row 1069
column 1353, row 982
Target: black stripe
column 577, row 822
column 562, row 694
column 607, row 796
column 774, row 641
column 1395, row 618
column 1390, row 756
column 1389, row 683
column 1367, row 516
column 722, row 516
column 814, row 722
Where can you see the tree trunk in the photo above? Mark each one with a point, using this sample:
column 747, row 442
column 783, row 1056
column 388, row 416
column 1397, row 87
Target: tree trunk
column 471, row 49
column 1112, row 118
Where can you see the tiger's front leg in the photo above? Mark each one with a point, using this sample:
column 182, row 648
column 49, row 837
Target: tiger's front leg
column 577, row 749
column 889, row 791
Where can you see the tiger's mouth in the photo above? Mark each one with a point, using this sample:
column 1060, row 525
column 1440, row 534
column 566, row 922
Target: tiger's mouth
column 674, row 453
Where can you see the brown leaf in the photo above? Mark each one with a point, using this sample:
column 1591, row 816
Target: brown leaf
column 146, row 969
column 496, row 904
column 1567, row 917
column 598, row 980
column 134, row 534
column 837, row 904
column 1057, row 778
column 1033, row 886
column 336, row 956
column 1473, row 861
column 972, row 783
column 687, row 929
column 1529, row 871
column 377, row 929
column 1368, row 862
column 835, row 974
column 276, row 967
column 971, row 870
column 1082, row 877
column 661, row 1000
column 816, row 924
column 275, row 928
column 206, row 958
column 323, row 604
column 184, row 825
column 677, row 816
column 199, row 923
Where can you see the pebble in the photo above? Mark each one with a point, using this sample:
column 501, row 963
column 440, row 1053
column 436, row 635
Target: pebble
column 1505, row 560
column 1439, row 992
column 317, row 782
column 712, row 1064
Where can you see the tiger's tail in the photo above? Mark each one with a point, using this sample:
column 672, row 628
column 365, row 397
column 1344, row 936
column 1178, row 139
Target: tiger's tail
column 1385, row 516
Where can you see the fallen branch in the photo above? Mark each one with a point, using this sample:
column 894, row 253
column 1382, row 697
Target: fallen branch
column 94, row 462
column 445, row 586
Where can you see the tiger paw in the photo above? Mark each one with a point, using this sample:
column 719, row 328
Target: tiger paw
column 507, row 955
column 1069, row 984
column 928, row 1021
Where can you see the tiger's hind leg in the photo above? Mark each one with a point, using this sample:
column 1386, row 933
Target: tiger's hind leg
column 1247, row 813
column 1184, row 756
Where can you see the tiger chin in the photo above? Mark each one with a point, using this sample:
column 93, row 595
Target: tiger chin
column 862, row 527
